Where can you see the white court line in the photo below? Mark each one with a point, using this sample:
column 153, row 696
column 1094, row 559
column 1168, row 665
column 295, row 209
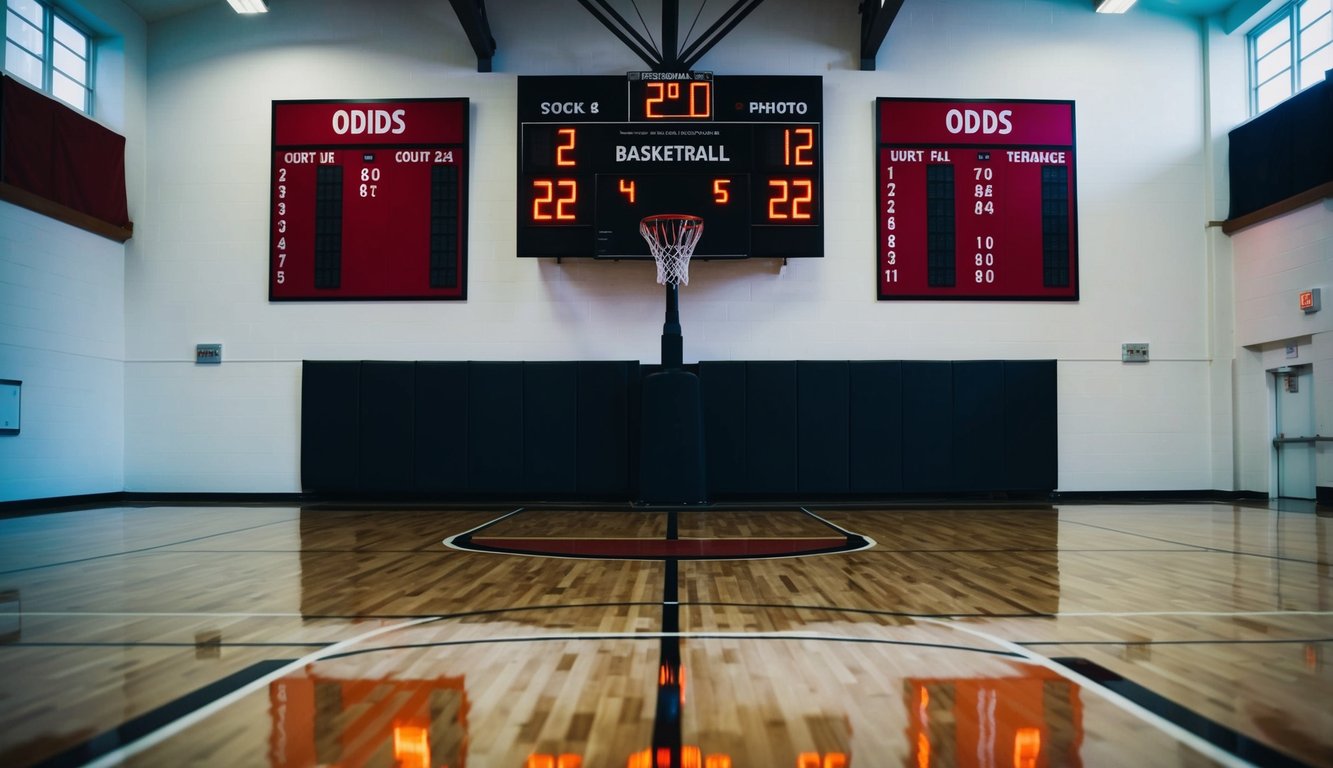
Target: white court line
column 449, row 542
column 1198, row 744
column 176, row 726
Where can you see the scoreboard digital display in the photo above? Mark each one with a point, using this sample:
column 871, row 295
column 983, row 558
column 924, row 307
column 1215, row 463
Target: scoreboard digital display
column 368, row 200
column 597, row 154
column 976, row 200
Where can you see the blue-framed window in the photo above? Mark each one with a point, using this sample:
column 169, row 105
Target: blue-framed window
column 1290, row 51
column 48, row 50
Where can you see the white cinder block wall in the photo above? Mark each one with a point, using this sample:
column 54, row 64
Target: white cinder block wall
column 62, row 302
column 1149, row 177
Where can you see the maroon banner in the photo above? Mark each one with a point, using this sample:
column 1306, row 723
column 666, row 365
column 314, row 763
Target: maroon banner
column 57, row 153
column 930, row 121
column 340, row 123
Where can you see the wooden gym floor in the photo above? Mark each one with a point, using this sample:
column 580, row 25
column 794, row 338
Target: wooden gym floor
column 262, row 635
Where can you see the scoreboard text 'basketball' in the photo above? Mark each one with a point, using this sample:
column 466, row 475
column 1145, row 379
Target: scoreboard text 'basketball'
column 976, row 200
column 599, row 153
column 368, row 200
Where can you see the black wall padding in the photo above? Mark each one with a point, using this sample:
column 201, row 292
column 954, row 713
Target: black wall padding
column 722, row 385
column 1283, row 152
column 978, row 425
column 388, row 417
column 823, row 410
column 875, row 429
column 606, row 444
column 1031, row 438
column 495, row 427
column 550, row 427
column 330, row 424
column 928, row 426
column 442, row 425
column 770, row 411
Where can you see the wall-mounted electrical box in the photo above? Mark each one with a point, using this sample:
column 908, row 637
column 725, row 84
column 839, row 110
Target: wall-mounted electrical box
column 208, row 354
column 1134, row 353
column 10, row 401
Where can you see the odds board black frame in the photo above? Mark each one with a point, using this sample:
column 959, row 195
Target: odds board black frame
column 397, row 230
column 975, row 200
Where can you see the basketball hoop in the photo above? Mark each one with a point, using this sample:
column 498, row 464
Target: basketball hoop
column 672, row 237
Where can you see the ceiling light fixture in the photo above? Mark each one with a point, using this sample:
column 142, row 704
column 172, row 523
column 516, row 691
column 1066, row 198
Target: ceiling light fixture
column 248, row 6
column 1113, row 6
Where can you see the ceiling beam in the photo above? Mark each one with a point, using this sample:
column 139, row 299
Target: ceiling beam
column 876, row 18
column 472, row 15
column 720, row 29
column 641, row 46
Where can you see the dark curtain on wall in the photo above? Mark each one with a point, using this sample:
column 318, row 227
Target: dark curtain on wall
column 1283, row 152
column 55, row 152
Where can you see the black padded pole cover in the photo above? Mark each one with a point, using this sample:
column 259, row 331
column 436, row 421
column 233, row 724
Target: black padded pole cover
column 671, row 465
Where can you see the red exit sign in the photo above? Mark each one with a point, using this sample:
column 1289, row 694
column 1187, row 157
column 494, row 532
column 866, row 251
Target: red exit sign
column 1309, row 301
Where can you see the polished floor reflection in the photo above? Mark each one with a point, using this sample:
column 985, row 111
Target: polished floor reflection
column 1072, row 635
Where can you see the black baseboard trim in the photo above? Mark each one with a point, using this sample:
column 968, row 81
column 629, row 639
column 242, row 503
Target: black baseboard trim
column 720, row 501
column 1323, row 494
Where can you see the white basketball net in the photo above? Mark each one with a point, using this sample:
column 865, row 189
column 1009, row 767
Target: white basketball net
column 672, row 237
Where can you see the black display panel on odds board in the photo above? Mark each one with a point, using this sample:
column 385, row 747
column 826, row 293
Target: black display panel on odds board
column 368, row 200
column 976, row 200
column 597, row 154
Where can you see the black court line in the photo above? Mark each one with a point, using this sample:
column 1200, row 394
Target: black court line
column 139, row 727
column 144, row 549
column 1213, row 732
column 150, row 644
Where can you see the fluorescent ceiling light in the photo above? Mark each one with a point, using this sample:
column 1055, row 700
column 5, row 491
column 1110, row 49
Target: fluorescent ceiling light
column 1113, row 6
column 248, row 6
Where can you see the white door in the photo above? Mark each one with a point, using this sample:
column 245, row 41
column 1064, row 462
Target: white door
column 1295, row 432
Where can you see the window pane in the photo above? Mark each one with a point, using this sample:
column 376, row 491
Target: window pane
column 1313, row 9
column 1276, row 35
column 28, row 9
column 1317, row 34
column 23, row 65
column 23, row 33
column 1314, row 66
column 70, row 37
column 1274, row 62
column 1274, row 91
column 65, row 61
column 69, row 91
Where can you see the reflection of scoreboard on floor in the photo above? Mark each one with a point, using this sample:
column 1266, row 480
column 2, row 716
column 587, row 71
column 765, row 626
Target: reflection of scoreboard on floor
column 598, row 154
column 976, row 200
column 368, row 200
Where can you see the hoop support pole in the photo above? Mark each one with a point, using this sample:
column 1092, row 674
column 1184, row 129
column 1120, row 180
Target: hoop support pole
column 673, row 354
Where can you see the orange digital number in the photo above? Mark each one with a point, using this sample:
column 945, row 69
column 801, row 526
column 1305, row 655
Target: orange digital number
column 700, row 99
column 568, row 146
column 551, row 198
column 790, row 199
column 721, row 195
column 627, row 189
column 795, row 154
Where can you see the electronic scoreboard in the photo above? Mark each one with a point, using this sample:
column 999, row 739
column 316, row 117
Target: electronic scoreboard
column 368, row 200
column 976, row 200
column 597, row 154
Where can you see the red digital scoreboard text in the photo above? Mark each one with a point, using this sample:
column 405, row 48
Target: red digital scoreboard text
column 368, row 200
column 976, row 200
column 597, row 154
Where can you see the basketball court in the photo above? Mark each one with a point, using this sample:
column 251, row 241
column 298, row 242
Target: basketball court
column 1082, row 634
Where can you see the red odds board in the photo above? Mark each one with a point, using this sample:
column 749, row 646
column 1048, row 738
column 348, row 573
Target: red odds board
column 976, row 200
column 368, row 200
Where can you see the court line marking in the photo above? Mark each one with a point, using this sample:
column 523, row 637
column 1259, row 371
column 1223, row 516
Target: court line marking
column 1195, row 742
column 159, row 735
column 449, row 542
